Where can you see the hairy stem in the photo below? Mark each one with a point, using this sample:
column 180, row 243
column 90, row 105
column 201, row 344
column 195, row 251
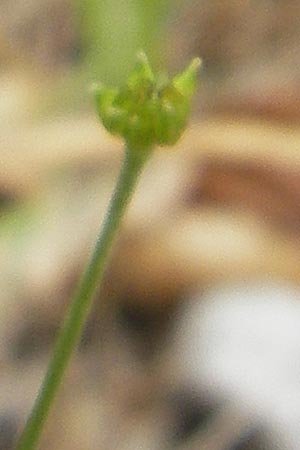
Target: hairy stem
column 82, row 302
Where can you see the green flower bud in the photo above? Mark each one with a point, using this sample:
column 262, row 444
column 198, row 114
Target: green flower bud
column 147, row 111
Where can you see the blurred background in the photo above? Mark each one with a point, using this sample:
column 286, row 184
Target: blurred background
column 194, row 341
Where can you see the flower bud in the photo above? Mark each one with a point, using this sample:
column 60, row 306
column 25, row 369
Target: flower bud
column 146, row 111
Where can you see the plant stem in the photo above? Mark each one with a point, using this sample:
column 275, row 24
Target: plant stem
column 82, row 302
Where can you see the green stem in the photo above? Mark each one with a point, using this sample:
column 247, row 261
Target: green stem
column 82, row 302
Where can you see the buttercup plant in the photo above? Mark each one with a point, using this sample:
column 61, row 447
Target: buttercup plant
column 145, row 112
